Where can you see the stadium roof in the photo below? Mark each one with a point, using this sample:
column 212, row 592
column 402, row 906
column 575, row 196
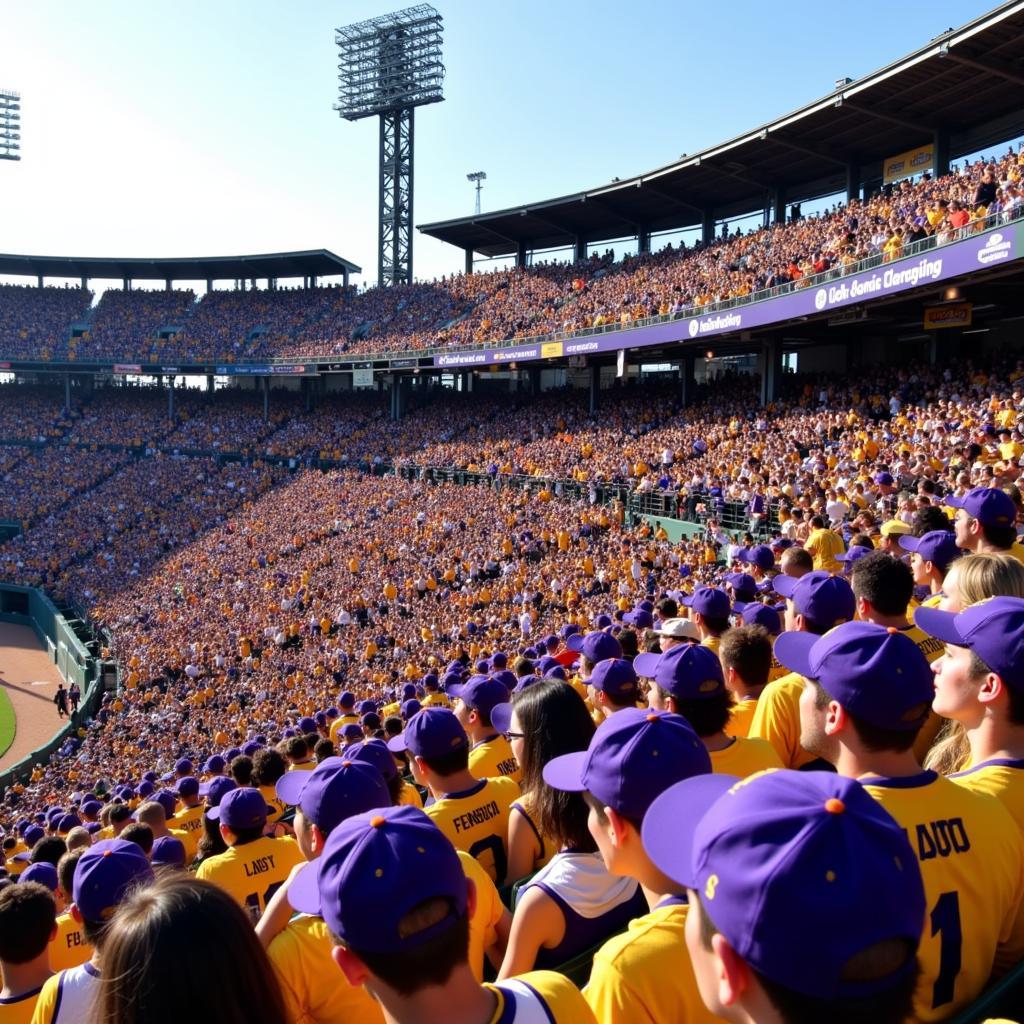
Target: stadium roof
column 966, row 82
column 309, row 263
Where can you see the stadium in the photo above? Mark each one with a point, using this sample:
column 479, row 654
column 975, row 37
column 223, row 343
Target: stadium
column 588, row 628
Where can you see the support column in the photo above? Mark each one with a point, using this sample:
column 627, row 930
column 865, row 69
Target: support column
column 687, row 379
column 521, row 255
column 127, row 284
column 579, row 248
column 209, row 384
column 344, row 279
column 933, row 348
column 39, row 280
column 469, row 382
column 708, row 226
column 595, row 387
column 643, row 240
column 170, row 398
column 770, row 365
column 266, row 399
column 469, row 261
column 85, row 284
column 67, row 392
column 778, row 201
column 941, row 142
column 307, row 387
column 852, row 182
column 209, row 285
column 534, row 381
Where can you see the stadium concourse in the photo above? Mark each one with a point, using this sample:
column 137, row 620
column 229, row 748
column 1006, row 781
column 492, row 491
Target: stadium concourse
column 169, row 327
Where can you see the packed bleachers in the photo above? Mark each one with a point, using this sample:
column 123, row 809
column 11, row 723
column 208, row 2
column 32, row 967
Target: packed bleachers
column 463, row 310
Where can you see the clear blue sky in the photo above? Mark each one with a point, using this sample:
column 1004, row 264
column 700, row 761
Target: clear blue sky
column 206, row 128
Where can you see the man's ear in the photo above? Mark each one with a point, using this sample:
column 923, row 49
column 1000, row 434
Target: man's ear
column 355, row 971
column 733, row 976
column 76, row 914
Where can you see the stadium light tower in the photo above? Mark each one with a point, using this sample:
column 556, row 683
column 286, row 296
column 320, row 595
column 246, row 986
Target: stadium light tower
column 478, row 177
column 389, row 66
column 10, row 125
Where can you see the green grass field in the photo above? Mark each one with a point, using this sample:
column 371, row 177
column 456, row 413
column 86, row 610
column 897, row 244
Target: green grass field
column 6, row 722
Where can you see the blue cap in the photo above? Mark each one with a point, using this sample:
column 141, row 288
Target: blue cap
column 105, row 874
column 241, row 808
column 42, row 872
column 596, row 646
column 825, row 600
column 709, row 601
column 616, row 677
column 937, row 546
column 169, row 851
column 376, row 753
column 480, row 693
column 989, row 505
column 215, row 789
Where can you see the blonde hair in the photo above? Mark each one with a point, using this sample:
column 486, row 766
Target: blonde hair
column 979, row 576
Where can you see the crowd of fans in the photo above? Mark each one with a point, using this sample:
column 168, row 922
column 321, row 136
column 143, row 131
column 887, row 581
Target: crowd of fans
column 167, row 327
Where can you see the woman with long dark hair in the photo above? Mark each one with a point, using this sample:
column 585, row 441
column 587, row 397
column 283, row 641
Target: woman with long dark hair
column 180, row 928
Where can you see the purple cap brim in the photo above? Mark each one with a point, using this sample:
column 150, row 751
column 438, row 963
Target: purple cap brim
column 645, row 664
column 575, row 642
column 501, row 717
column 397, row 744
column 954, row 502
column 290, row 786
column 566, row 772
column 793, row 651
column 783, row 584
column 939, row 624
column 671, row 821
column 304, row 890
column 456, row 689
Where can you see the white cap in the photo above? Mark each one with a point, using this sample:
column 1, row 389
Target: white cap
column 679, row 629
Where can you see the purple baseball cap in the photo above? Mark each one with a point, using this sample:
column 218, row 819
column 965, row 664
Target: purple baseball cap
column 42, row 872
column 104, row 875
column 688, row 672
column 168, row 851
column 568, row 630
column 375, row 869
column 231, row 753
column 347, row 699
column 885, row 479
column 634, row 755
column 989, row 505
column 215, row 765
column 596, row 646
column 785, row 846
column 546, row 662
column 753, row 613
column 183, row 766
column 241, row 808
column 409, row 691
column 854, row 552
column 145, row 788
column 352, row 731
column 250, row 748
column 33, row 834
column 522, row 683
column 188, row 786
column 993, row 629
column 167, row 800
column 639, row 617
column 366, row 706
column 432, row 732
column 335, row 790
column 501, row 717
column 824, row 599
column 742, row 583
column 603, row 621
column 68, row 822
column 878, row 674
column 507, row 678
column 92, row 807
column 709, row 601
column 480, row 693
column 936, row 546
column 307, row 725
column 616, row 677
column 374, row 752
column 150, row 776
column 216, row 788
column 760, row 555
column 410, row 708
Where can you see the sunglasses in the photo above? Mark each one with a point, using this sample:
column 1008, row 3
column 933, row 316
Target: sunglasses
column 514, row 736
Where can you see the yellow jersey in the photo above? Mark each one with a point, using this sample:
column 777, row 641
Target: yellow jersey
column 743, row 757
column 741, row 716
column 972, row 863
column 933, row 649
column 68, row 948
column 483, row 925
column 539, row 996
column 777, row 720
column 251, row 873
column 436, row 700
column 314, row 990
column 639, row 977
column 273, row 800
column 338, row 724
column 69, row 997
column 823, row 546
column 189, row 822
column 493, row 757
column 19, row 1009
column 476, row 821
column 1002, row 778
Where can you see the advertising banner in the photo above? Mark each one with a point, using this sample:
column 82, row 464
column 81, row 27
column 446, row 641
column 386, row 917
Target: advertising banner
column 949, row 314
column 906, row 165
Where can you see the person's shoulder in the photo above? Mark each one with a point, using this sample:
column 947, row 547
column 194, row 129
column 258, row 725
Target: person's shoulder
column 502, row 784
column 620, row 950
column 563, row 1001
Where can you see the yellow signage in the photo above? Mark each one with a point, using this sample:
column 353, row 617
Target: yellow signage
column 551, row 350
column 951, row 314
column 906, row 165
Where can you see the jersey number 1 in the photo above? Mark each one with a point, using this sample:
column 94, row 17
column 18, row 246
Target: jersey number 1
column 252, row 902
column 945, row 919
